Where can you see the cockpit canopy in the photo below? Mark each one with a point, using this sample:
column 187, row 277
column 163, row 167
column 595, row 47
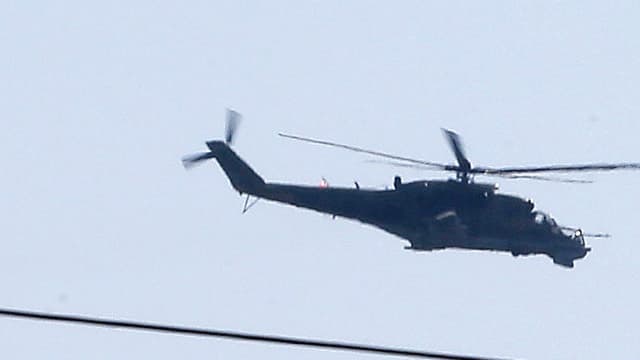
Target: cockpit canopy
column 543, row 219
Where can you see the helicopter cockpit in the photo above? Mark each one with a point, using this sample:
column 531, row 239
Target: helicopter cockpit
column 577, row 235
column 544, row 219
column 548, row 222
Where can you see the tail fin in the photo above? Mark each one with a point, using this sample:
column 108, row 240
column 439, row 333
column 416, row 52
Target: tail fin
column 242, row 177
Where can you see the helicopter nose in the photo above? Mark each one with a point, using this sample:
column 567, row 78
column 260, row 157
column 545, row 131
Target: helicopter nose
column 583, row 253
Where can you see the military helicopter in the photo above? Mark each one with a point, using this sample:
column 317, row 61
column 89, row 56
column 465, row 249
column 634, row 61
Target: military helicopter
column 430, row 214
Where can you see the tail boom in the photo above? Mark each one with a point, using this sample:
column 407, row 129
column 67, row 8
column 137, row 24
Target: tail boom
column 240, row 174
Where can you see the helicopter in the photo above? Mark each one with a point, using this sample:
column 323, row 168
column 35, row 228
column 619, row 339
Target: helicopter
column 431, row 214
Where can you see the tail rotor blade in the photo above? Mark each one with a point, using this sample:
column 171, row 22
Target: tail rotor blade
column 191, row 161
column 233, row 120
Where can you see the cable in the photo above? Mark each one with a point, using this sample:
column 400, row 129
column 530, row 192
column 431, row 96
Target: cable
column 334, row 345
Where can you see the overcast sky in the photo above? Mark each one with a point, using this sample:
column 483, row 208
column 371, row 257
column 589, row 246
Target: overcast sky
column 98, row 102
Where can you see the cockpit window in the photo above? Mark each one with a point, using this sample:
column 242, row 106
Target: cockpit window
column 577, row 235
column 547, row 221
column 542, row 218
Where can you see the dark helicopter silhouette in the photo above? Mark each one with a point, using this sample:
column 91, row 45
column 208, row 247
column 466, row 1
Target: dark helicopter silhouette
column 430, row 214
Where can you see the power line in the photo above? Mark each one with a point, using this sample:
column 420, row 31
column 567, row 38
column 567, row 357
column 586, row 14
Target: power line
column 334, row 345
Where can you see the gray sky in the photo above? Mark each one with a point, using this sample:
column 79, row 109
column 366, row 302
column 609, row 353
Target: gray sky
column 99, row 101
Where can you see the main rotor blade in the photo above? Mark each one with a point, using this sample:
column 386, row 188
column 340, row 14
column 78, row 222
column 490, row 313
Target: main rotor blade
column 557, row 168
column 504, row 176
column 370, row 152
column 541, row 178
column 406, row 165
column 456, row 145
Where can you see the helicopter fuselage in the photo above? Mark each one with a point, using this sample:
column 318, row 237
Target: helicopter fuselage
column 431, row 215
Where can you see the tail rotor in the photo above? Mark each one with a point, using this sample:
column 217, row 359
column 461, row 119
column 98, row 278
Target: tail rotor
column 231, row 126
